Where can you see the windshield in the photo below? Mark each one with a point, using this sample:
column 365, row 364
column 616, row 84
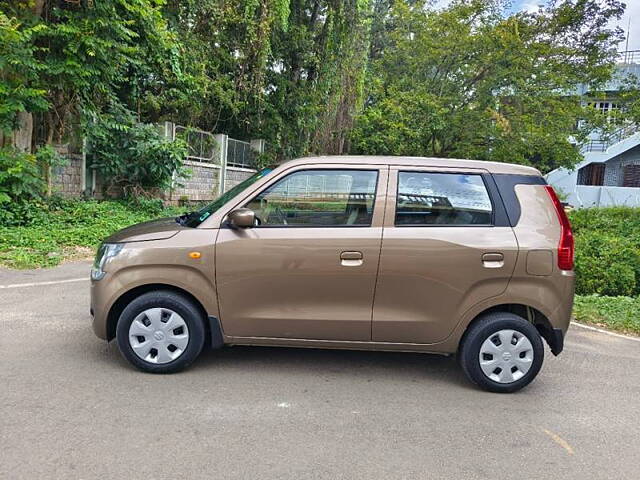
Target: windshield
column 196, row 218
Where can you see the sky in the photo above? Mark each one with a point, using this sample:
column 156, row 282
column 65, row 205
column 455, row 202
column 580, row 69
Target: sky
column 631, row 12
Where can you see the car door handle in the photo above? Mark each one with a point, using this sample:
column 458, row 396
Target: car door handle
column 493, row 260
column 351, row 259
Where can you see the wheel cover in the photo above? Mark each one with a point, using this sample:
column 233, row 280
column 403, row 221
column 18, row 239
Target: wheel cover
column 506, row 356
column 158, row 335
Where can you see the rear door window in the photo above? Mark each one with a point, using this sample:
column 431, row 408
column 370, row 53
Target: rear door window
column 442, row 199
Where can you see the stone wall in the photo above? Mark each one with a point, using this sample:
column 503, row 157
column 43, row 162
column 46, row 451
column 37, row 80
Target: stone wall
column 202, row 185
column 614, row 171
column 67, row 180
column 235, row 176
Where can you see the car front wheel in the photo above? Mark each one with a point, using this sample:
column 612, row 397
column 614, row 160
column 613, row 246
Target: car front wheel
column 160, row 332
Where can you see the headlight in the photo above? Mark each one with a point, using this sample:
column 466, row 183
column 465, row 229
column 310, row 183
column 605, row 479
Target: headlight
column 105, row 252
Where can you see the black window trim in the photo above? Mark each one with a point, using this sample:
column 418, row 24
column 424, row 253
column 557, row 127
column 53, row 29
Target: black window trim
column 328, row 169
column 498, row 214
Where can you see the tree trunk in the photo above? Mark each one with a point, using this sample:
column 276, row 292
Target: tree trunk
column 23, row 134
column 47, row 167
column 38, row 7
column 21, row 138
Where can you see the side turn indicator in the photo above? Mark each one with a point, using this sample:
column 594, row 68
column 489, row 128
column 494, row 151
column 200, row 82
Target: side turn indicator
column 195, row 255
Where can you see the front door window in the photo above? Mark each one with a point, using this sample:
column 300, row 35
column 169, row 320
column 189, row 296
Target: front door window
column 318, row 198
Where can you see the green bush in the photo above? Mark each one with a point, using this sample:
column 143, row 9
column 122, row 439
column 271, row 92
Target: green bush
column 607, row 250
column 20, row 177
column 135, row 157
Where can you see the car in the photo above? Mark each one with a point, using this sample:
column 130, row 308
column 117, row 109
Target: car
column 454, row 257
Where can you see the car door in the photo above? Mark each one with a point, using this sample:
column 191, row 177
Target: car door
column 308, row 269
column 446, row 246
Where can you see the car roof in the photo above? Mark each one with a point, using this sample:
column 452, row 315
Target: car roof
column 493, row 167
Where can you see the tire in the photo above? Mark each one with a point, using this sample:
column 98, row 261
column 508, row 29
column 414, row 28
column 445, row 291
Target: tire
column 165, row 321
column 503, row 367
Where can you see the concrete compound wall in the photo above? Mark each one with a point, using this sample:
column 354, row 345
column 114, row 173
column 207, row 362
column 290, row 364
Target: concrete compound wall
column 202, row 186
column 67, row 180
column 236, row 175
column 204, row 182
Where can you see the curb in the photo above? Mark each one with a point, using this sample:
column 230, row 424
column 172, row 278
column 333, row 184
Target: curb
column 606, row 332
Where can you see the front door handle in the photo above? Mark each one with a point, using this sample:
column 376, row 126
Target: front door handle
column 351, row 259
column 493, row 260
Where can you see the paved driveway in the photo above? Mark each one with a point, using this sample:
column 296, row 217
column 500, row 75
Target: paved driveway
column 72, row 408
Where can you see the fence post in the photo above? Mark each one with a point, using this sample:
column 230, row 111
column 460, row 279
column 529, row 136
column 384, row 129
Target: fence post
column 169, row 130
column 257, row 145
column 223, row 142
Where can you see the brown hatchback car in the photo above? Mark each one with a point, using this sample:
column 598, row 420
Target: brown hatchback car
column 375, row 253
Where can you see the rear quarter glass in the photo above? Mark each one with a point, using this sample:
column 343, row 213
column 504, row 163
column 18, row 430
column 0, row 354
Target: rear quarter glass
column 506, row 184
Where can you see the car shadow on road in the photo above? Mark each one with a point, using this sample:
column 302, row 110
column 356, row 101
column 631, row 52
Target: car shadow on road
column 409, row 367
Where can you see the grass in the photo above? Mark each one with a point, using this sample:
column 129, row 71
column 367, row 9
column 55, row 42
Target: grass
column 48, row 233
column 621, row 314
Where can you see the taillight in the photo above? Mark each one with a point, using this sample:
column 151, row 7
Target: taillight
column 565, row 246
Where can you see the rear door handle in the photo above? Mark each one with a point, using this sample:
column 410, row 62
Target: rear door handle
column 493, row 260
column 351, row 259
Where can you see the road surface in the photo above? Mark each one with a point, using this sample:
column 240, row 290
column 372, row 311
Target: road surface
column 71, row 407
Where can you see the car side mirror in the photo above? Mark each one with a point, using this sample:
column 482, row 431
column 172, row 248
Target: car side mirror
column 242, row 218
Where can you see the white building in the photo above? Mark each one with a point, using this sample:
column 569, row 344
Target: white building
column 609, row 175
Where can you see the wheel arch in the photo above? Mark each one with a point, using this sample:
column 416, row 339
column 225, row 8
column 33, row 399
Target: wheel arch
column 127, row 297
column 529, row 313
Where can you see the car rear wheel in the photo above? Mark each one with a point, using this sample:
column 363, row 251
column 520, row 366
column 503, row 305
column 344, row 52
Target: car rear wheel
column 501, row 352
column 160, row 332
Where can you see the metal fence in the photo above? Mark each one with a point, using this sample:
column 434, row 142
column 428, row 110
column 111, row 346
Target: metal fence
column 216, row 149
column 602, row 144
column 629, row 57
column 202, row 145
column 240, row 154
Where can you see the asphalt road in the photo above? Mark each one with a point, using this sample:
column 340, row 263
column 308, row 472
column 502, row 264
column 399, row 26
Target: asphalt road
column 70, row 407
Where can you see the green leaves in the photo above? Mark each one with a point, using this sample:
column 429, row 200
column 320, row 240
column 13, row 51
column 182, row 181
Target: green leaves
column 616, row 313
column 20, row 176
column 607, row 250
column 44, row 233
column 468, row 82
column 19, row 71
column 134, row 157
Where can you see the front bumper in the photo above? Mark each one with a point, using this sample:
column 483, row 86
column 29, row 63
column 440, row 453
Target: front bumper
column 99, row 309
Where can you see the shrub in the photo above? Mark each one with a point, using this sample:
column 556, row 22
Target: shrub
column 20, row 176
column 133, row 156
column 607, row 250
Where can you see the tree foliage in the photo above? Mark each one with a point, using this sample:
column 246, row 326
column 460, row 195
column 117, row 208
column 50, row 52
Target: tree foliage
column 316, row 76
column 469, row 82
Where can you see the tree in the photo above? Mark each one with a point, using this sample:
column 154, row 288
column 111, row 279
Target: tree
column 468, row 82
column 19, row 71
column 77, row 58
column 288, row 71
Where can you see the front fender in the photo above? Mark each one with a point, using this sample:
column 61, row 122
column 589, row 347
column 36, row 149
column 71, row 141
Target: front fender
column 167, row 263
